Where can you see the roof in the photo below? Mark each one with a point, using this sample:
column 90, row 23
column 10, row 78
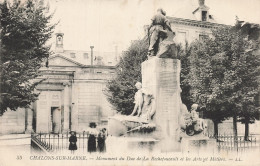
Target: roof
column 83, row 58
column 62, row 61
column 188, row 10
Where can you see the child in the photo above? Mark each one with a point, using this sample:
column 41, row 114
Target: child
column 73, row 142
column 101, row 140
column 138, row 100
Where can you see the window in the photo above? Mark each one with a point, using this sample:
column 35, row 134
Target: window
column 72, row 55
column 85, row 55
column 204, row 16
column 181, row 37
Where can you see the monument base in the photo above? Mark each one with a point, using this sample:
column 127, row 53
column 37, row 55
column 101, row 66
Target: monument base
column 161, row 77
column 122, row 125
column 198, row 144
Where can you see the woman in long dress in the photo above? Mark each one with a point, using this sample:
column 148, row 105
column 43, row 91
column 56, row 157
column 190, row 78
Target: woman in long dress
column 92, row 145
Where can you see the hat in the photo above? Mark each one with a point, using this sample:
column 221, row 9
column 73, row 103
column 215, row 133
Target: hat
column 71, row 132
column 92, row 124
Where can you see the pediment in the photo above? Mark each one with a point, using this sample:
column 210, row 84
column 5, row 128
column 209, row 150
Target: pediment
column 59, row 60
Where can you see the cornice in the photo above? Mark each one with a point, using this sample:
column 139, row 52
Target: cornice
column 195, row 23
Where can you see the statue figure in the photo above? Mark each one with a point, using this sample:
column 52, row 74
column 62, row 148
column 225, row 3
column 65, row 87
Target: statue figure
column 190, row 122
column 148, row 109
column 157, row 31
column 195, row 118
column 144, row 103
column 138, row 100
column 167, row 48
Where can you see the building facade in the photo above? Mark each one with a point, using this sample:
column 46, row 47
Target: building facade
column 71, row 93
column 193, row 22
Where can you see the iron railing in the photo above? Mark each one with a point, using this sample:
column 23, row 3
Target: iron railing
column 236, row 143
column 49, row 143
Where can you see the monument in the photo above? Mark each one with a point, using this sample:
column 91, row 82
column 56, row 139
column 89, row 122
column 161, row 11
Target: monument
column 159, row 112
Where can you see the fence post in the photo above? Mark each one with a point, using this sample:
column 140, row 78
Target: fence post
column 83, row 140
column 67, row 140
column 251, row 139
column 231, row 142
column 49, row 138
column 240, row 142
column 53, row 141
column 58, row 141
column 62, row 142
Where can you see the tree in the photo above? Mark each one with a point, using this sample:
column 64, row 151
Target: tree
column 205, row 77
column 249, row 112
column 25, row 29
column 121, row 90
column 224, row 74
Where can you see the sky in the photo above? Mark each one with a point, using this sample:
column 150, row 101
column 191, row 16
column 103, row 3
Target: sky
column 106, row 24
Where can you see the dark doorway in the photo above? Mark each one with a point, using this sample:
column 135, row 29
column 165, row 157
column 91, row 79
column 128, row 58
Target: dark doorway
column 55, row 120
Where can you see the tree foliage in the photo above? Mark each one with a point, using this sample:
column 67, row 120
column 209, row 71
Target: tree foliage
column 121, row 90
column 224, row 74
column 185, row 53
column 25, row 29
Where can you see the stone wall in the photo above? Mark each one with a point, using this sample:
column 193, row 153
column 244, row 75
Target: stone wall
column 188, row 33
column 12, row 122
column 90, row 105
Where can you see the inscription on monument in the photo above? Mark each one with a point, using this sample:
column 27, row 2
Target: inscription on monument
column 168, row 80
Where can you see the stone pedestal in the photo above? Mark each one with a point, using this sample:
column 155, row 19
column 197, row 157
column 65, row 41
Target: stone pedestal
column 28, row 120
column 161, row 77
column 199, row 145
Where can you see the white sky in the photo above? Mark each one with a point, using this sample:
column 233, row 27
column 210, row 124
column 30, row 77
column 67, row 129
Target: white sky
column 106, row 23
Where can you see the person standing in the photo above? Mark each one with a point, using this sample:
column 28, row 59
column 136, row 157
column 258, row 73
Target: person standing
column 92, row 145
column 102, row 140
column 73, row 142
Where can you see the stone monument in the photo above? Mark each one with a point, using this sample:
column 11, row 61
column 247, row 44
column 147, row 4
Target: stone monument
column 158, row 109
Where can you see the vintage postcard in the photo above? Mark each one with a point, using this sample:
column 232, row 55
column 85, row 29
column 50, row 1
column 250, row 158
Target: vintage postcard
column 129, row 82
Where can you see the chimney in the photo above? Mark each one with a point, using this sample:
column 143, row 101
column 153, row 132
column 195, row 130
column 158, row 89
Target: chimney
column 201, row 2
column 91, row 55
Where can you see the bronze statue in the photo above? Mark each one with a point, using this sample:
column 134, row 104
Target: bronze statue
column 158, row 31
